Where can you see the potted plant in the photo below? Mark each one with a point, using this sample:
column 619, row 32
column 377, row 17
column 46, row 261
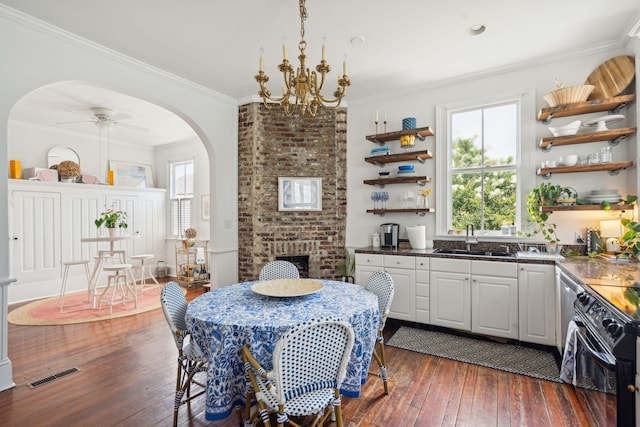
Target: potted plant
column 347, row 266
column 546, row 194
column 631, row 238
column 112, row 220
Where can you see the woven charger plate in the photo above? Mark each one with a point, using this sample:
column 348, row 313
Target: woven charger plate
column 284, row 288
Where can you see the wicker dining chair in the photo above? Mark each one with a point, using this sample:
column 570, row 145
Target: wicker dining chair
column 381, row 284
column 309, row 365
column 191, row 360
column 279, row 270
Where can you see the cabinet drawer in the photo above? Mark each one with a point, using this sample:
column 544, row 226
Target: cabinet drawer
column 494, row 268
column 451, row 265
column 399, row 261
column 422, row 276
column 422, row 289
column 422, row 263
column 372, row 260
column 422, row 303
column 422, row 316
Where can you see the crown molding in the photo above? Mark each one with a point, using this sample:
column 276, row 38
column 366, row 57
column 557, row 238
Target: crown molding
column 98, row 49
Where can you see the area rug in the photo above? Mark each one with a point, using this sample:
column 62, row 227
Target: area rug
column 532, row 362
column 47, row 312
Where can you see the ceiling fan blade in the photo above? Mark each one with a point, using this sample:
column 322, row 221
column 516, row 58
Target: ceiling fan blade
column 132, row 127
column 72, row 123
column 120, row 116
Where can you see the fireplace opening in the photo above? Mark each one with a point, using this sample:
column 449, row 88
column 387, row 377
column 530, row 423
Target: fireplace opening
column 300, row 261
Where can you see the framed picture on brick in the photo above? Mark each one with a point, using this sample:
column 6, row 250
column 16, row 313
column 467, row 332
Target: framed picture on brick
column 299, row 194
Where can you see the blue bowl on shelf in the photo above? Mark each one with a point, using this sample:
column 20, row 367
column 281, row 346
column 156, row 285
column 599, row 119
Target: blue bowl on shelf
column 383, row 173
column 405, row 168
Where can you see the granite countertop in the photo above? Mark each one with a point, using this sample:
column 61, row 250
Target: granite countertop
column 522, row 257
column 596, row 271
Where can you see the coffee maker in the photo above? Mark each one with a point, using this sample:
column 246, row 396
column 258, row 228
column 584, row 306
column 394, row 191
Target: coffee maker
column 389, row 236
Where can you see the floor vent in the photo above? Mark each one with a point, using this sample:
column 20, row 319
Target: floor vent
column 53, row 377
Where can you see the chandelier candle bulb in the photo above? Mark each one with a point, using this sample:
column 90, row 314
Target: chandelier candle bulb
column 261, row 60
column 324, row 48
column 284, row 49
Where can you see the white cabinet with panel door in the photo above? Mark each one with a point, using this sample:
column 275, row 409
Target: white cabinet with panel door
column 34, row 227
column 494, row 298
column 450, row 293
column 366, row 265
column 402, row 270
column 537, row 296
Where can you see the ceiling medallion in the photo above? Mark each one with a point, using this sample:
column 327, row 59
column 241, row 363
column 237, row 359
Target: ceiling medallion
column 302, row 91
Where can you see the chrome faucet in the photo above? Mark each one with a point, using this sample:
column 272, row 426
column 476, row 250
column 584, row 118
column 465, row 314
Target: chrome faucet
column 470, row 239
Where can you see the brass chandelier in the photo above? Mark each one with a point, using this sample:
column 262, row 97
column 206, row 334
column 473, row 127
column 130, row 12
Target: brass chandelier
column 302, row 91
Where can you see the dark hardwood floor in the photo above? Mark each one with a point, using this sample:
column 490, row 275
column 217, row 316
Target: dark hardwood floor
column 127, row 377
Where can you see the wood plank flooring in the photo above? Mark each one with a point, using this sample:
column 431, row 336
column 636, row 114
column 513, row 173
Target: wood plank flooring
column 127, row 378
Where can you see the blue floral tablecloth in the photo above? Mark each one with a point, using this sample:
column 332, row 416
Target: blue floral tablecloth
column 223, row 320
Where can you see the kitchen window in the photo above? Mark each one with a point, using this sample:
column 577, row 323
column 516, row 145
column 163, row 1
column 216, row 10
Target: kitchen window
column 181, row 196
column 480, row 174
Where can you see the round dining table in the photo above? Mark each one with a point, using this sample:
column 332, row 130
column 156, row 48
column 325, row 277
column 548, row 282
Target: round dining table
column 225, row 319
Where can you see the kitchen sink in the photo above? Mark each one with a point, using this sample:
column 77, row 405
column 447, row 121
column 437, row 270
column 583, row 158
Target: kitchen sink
column 474, row 253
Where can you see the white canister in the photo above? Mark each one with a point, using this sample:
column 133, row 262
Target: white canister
column 375, row 240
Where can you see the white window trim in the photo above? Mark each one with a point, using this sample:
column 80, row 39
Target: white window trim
column 194, row 207
column 525, row 155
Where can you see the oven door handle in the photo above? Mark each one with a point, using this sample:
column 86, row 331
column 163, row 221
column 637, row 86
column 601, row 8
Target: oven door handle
column 603, row 359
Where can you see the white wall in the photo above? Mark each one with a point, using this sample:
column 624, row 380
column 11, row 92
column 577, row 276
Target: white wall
column 30, row 144
column 35, row 55
column 422, row 105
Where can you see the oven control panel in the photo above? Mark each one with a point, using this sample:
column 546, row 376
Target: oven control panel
column 606, row 324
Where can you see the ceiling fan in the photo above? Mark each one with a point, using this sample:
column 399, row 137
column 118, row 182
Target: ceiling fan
column 104, row 118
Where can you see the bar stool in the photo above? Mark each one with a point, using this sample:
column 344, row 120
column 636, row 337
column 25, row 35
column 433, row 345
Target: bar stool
column 119, row 282
column 145, row 268
column 63, row 287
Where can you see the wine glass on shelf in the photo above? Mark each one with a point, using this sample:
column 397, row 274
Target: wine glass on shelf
column 385, row 197
column 374, row 198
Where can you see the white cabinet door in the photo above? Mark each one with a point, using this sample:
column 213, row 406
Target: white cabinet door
column 450, row 299
column 363, row 273
column 36, row 239
column 403, row 305
column 366, row 265
column 537, row 303
column 494, row 306
column 150, row 224
column 78, row 213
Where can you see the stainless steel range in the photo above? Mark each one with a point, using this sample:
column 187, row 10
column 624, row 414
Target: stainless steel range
column 606, row 314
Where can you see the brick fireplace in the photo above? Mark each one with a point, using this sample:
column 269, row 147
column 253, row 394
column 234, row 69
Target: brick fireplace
column 272, row 145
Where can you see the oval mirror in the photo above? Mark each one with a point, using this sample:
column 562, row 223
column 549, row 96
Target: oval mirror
column 61, row 153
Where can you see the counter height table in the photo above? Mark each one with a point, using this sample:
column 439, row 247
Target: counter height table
column 223, row 320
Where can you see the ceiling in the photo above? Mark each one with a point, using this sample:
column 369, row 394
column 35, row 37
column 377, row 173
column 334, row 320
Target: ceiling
column 408, row 45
